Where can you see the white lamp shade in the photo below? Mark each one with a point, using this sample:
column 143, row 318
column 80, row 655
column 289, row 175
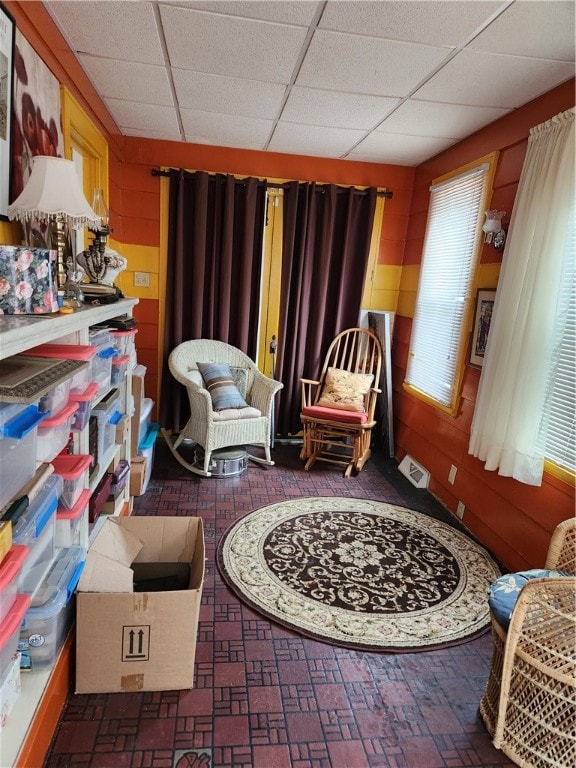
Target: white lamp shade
column 53, row 191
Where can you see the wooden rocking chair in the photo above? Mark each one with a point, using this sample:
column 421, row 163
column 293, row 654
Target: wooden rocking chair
column 338, row 409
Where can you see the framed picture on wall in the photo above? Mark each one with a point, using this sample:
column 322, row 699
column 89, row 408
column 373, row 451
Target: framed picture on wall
column 6, row 91
column 482, row 320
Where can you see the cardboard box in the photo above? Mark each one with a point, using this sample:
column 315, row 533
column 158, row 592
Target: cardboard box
column 138, row 641
column 138, row 470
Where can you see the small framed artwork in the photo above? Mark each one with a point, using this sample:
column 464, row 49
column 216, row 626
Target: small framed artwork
column 7, row 30
column 482, row 320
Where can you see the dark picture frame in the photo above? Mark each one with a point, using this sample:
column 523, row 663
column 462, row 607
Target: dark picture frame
column 7, row 41
column 481, row 328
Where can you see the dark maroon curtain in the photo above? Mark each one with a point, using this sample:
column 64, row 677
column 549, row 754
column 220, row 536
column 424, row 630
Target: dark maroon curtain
column 215, row 233
column 326, row 244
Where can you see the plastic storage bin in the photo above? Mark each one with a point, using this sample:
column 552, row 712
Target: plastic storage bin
column 49, row 617
column 82, row 352
column 124, row 341
column 104, row 412
column 18, row 436
column 10, row 633
column 36, row 530
column 119, row 369
column 100, row 337
column 84, row 400
column 146, row 448
column 102, row 369
column 54, row 400
column 54, row 433
column 73, row 469
column 10, row 577
column 72, row 524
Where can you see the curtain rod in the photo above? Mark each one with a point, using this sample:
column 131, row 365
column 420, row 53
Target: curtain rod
column 174, row 171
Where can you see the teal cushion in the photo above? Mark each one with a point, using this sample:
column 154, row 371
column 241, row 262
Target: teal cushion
column 503, row 593
column 219, row 381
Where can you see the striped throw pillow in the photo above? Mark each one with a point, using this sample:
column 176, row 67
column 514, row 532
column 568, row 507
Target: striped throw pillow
column 219, row 381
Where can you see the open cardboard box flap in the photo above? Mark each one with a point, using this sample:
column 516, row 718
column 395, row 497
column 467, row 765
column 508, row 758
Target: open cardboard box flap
column 109, row 559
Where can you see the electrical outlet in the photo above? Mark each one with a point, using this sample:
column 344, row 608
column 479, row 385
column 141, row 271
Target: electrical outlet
column 452, row 474
column 142, row 279
column 460, row 510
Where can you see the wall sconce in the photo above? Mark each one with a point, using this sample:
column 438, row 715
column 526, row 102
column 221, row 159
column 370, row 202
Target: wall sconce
column 494, row 233
column 53, row 195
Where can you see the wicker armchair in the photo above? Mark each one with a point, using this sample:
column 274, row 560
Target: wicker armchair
column 529, row 705
column 211, row 429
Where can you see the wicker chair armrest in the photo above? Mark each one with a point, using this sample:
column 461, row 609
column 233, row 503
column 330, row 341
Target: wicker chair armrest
column 263, row 391
column 543, row 627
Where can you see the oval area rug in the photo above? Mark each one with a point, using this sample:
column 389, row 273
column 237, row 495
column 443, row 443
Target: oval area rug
column 359, row 573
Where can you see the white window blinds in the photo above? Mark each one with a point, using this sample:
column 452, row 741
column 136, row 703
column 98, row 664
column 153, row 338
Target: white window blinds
column 559, row 413
column 446, row 276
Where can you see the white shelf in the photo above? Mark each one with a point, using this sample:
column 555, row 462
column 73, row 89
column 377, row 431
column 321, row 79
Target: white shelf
column 17, row 334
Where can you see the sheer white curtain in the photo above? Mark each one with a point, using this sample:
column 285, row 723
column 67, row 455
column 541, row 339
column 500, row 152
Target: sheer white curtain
column 507, row 426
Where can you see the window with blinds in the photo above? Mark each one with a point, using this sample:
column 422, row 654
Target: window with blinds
column 451, row 247
column 559, row 415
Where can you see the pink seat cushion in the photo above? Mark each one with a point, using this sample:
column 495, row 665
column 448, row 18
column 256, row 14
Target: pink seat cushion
column 335, row 414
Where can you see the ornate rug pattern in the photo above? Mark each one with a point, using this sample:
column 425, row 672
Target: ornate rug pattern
column 359, row 573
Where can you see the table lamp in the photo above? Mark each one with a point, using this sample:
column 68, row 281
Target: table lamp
column 53, row 194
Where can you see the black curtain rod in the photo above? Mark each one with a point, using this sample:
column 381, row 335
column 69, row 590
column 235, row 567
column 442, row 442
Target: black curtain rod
column 174, row 172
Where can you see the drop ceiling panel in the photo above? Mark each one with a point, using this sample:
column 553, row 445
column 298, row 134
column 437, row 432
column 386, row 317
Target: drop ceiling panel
column 367, row 65
column 224, row 45
column 228, row 95
column 443, row 24
column 543, row 30
column 112, row 29
column 212, row 128
column 404, row 150
column 300, row 13
column 428, row 118
column 313, row 140
column 130, row 114
column 339, row 110
column 145, row 83
column 493, row 80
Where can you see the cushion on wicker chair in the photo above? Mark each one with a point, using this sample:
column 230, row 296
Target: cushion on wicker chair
column 503, row 593
column 220, row 383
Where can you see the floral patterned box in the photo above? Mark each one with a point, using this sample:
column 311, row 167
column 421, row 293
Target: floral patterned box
column 27, row 281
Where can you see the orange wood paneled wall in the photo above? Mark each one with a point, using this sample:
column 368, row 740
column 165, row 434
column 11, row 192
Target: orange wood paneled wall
column 512, row 519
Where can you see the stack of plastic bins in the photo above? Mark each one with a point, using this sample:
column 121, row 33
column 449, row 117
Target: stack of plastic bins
column 36, row 530
column 54, row 400
column 146, row 448
column 120, row 365
column 18, row 437
column 124, row 341
column 50, row 615
column 54, row 433
column 84, row 400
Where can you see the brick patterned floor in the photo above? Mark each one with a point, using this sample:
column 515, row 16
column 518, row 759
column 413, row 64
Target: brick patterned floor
column 267, row 698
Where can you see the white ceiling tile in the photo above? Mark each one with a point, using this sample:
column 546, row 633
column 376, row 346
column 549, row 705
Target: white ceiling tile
column 115, row 29
column 532, row 29
column 300, row 13
column 331, row 108
column 430, row 118
column 229, row 95
column 129, row 114
column 493, row 80
column 432, row 23
column 368, row 65
column 224, row 45
column 395, row 148
column 225, row 130
column 146, row 83
column 313, row 139
column 145, row 133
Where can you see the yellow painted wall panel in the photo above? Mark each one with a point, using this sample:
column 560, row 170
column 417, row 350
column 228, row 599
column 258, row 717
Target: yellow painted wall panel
column 488, row 275
column 387, row 277
column 384, row 300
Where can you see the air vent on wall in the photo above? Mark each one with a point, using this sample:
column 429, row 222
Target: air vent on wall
column 415, row 472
